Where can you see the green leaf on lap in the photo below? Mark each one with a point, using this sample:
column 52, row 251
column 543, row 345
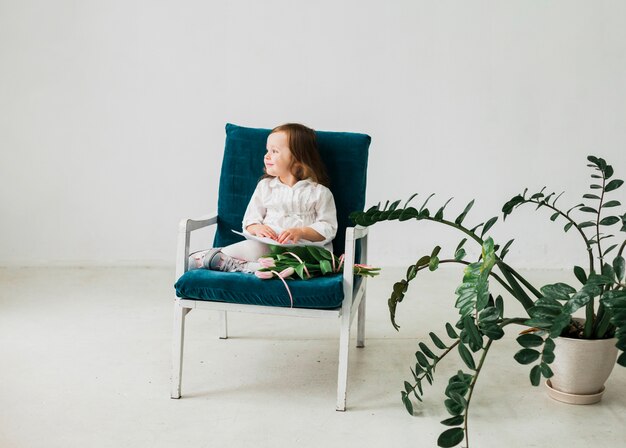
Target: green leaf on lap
column 326, row 267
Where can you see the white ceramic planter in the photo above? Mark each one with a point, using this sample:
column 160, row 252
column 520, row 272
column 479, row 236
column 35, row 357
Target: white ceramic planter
column 581, row 367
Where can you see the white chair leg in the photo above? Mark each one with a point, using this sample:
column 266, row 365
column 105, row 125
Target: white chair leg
column 178, row 338
column 360, row 324
column 344, row 346
column 223, row 325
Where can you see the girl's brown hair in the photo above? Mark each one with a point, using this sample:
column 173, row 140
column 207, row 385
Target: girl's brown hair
column 307, row 162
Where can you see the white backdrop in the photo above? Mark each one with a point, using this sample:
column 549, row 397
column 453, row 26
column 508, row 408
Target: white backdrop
column 112, row 113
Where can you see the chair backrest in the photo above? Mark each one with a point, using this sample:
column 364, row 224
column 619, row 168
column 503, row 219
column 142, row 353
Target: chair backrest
column 344, row 154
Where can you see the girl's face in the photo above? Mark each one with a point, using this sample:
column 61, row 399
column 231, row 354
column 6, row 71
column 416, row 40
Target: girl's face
column 278, row 158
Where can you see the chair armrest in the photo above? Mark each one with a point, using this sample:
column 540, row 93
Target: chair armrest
column 352, row 235
column 191, row 224
column 185, row 227
column 359, row 232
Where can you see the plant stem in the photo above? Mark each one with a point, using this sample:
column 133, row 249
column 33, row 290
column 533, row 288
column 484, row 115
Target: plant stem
column 598, row 220
column 471, row 389
column 621, row 249
column 493, row 274
column 519, row 292
column 514, row 320
column 525, row 282
column 589, row 250
column 472, row 235
column 435, row 362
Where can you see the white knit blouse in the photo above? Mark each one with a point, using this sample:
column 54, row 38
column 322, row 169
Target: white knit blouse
column 306, row 204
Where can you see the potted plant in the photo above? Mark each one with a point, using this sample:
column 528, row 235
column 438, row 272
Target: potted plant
column 549, row 310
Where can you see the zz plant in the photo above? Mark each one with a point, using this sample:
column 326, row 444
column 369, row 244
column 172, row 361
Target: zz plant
column 482, row 318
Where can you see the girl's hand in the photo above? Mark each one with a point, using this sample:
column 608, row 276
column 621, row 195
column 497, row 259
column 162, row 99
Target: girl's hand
column 262, row 230
column 294, row 235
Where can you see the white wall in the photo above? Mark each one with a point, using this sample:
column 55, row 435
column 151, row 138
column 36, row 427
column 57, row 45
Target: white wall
column 112, row 112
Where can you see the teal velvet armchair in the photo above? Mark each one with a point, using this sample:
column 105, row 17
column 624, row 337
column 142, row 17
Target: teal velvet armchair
column 340, row 296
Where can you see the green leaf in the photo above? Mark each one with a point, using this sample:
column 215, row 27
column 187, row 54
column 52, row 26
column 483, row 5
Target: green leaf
column 411, row 272
column 548, row 356
column 535, row 375
column 546, row 371
column 458, row 387
column 613, row 185
column 394, row 205
column 461, row 217
column 422, row 359
column 408, row 213
column 439, row 214
column 438, row 342
column 314, row 253
column 580, row 274
column 530, row 340
column 588, row 210
column 595, row 186
column 610, row 249
column 582, row 225
column 453, row 421
column 409, row 200
column 505, row 249
column 609, row 221
column 578, row 300
column 548, row 346
column 491, row 314
column 451, row 437
column 567, row 226
column 426, row 202
column 526, row 356
column 407, row 403
column 472, row 331
column 488, row 225
column 459, row 399
column 538, row 195
column 500, row 305
column 493, row 331
column 618, row 267
column 326, row 267
column 611, row 204
column 433, row 264
column 427, row 351
column 608, row 172
column 554, row 216
column 590, row 196
column 607, row 271
column 300, row 270
column 451, row 333
column 466, row 356
column 558, row 291
column 453, row 407
column 459, row 254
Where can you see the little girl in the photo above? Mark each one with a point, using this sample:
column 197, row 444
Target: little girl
column 290, row 203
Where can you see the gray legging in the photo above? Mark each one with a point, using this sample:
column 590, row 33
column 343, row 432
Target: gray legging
column 247, row 250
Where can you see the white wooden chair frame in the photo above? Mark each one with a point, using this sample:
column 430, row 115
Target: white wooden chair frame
column 353, row 300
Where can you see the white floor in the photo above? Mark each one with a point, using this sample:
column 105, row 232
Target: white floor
column 85, row 362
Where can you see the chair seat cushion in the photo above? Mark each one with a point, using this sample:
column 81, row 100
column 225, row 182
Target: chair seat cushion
column 236, row 287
